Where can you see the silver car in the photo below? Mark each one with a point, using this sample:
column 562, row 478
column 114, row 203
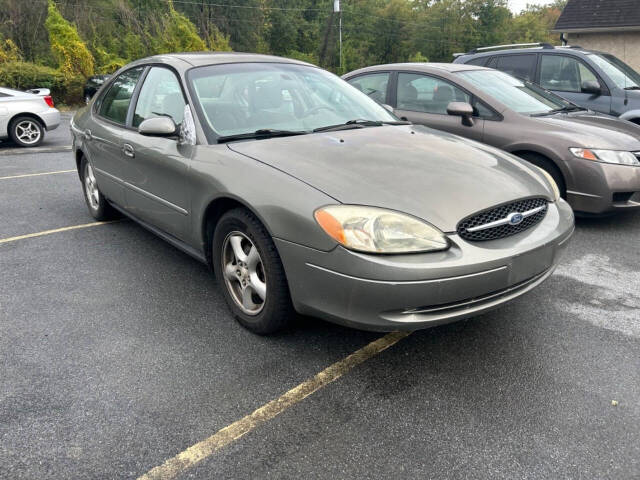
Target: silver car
column 304, row 195
column 25, row 117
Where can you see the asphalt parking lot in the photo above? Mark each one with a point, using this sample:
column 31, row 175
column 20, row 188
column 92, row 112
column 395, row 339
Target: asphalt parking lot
column 118, row 353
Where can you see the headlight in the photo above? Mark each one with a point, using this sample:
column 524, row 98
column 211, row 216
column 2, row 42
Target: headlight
column 552, row 183
column 607, row 156
column 376, row 230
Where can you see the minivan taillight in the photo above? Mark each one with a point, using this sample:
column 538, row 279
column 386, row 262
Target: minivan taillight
column 49, row 100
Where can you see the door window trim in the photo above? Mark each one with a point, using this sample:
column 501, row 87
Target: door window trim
column 472, row 97
column 603, row 84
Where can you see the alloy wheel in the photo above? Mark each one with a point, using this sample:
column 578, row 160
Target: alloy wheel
column 28, row 132
column 244, row 273
column 91, row 188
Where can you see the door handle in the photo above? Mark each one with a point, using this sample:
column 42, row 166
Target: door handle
column 87, row 134
column 128, row 150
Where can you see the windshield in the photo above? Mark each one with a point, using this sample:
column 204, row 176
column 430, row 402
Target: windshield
column 619, row 72
column 243, row 98
column 522, row 97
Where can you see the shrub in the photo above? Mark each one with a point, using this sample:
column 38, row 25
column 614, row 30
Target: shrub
column 9, row 51
column 25, row 75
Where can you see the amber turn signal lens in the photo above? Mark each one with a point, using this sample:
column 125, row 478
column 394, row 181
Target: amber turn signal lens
column 330, row 225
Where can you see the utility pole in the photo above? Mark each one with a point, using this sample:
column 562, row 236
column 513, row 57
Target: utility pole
column 336, row 9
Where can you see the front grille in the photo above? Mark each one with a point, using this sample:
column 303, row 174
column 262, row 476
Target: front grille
column 501, row 213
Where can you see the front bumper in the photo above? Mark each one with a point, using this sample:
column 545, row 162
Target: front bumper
column 409, row 292
column 603, row 187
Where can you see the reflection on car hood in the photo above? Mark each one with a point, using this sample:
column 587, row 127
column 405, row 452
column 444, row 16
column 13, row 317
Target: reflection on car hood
column 435, row 176
column 595, row 130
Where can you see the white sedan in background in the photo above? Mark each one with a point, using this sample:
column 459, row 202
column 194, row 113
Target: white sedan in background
column 24, row 116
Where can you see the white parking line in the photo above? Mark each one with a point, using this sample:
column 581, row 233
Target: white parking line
column 36, row 174
column 55, row 230
column 229, row 434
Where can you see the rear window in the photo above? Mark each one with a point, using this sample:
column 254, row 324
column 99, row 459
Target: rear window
column 480, row 61
column 520, row 66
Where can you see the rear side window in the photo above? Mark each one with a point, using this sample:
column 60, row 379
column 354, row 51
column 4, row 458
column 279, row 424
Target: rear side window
column 423, row 93
column 562, row 73
column 115, row 103
column 480, row 61
column 374, row 85
column 520, row 66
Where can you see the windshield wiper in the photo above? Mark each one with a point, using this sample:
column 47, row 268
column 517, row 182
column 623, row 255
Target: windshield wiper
column 634, row 87
column 259, row 134
column 570, row 108
column 358, row 123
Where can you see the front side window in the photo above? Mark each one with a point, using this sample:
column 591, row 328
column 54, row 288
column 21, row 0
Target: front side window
column 562, row 73
column 522, row 97
column 241, row 98
column 520, row 66
column 115, row 103
column 160, row 96
column 619, row 72
column 422, row 93
column 374, row 85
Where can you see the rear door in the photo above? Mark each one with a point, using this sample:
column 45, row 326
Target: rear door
column 103, row 140
column 155, row 169
column 423, row 99
column 565, row 75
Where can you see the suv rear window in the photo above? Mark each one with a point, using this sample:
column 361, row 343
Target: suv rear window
column 480, row 61
column 520, row 66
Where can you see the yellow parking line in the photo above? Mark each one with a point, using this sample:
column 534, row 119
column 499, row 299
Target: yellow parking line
column 56, row 230
column 201, row 450
column 37, row 174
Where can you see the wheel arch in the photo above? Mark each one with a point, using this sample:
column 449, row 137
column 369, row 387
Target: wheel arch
column 213, row 212
column 561, row 171
column 24, row 114
column 632, row 116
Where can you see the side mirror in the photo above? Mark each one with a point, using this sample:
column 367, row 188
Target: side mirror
column 461, row 109
column 389, row 108
column 592, row 87
column 158, row 127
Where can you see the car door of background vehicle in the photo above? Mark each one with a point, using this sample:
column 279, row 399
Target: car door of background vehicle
column 423, row 99
column 564, row 76
column 155, row 174
column 103, row 140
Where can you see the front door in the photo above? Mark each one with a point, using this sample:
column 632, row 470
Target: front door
column 565, row 76
column 423, row 99
column 156, row 186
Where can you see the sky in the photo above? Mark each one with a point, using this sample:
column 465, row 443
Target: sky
column 517, row 5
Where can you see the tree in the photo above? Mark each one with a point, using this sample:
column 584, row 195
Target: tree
column 72, row 55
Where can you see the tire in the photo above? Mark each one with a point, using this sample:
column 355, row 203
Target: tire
column 26, row 131
column 240, row 229
column 549, row 167
column 97, row 204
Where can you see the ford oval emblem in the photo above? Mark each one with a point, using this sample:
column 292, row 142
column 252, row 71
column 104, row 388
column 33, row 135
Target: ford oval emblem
column 515, row 218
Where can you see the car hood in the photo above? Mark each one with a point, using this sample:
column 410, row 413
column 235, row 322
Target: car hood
column 594, row 130
column 432, row 175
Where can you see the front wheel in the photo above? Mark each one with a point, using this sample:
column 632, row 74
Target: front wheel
column 247, row 265
column 26, row 132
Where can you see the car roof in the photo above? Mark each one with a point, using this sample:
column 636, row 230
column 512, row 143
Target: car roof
column 197, row 59
column 421, row 67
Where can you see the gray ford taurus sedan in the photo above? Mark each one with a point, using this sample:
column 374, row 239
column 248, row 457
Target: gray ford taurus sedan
column 305, row 195
column 594, row 158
